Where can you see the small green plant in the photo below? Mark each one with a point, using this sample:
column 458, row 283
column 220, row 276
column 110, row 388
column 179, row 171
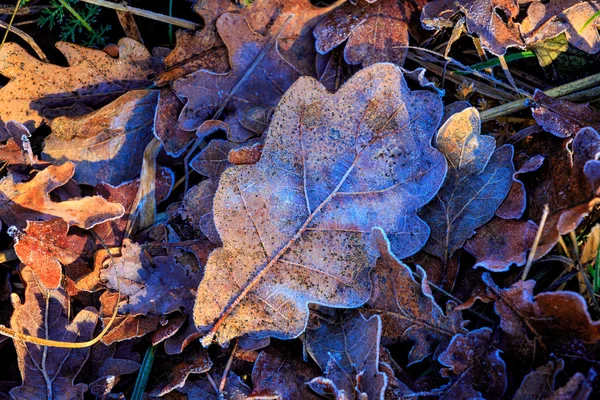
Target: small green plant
column 73, row 21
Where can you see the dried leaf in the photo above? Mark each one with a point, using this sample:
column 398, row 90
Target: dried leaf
column 546, row 21
column 92, row 77
column 245, row 155
column 235, row 389
column 474, row 366
column 204, row 92
column 347, row 350
column 501, row 243
column 549, row 50
column 17, row 151
column 558, row 321
column 590, row 249
column 106, row 146
column 407, row 309
column 21, row 201
column 484, row 18
column 197, row 207
column 194, row 362
column 214, row 158
column 166, row 127
column 296, row 225
column 46, row 246
column 539, row 384
column 515, row 202
column 477, row 182
column 278, row 374
column 49, row 372
column 375, row 32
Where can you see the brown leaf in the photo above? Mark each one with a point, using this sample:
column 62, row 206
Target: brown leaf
column 407, row 309
column 46, row 246
column 562, row 118
column 17, row 151
column 194, row 362
column 501, row 243
column 21, row 201
column 235, row 389
column 484, row 18
column 106, row 146
column 475, row 367
column 204, row 92
column 166, row 126
column 92, row 77
column 296, row 225
column 214, row 158
column 49, row 372
column 515, row 202
column 558, row 321
column 197, row 207
column 539, row 384
column 245, row 155
column 375, row 32
column 347, row 350
column 478, row 179
column 546, row 21
column 279, row 374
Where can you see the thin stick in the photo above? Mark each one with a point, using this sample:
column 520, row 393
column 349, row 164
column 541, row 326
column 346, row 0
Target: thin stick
column 12, row 19
column 558, row 91
column 227, row 368
column 26, row 38
column 146, row 14
column 536, row 242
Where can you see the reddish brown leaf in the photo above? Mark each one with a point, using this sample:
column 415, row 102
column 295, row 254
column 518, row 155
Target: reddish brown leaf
column 296, row 225
column 407, row 309
column 195, row 362
column 548, row 20
column 214, row 158
column 18, row 150
column 539, row 384
column 483, row 19
column 245, row 155
column 49, row 373
column 92, row 76
column 278, row 374
column 21, row 201
column 515, row 202
column 106, row 146
column 475, row 367
column 562, row 118
column 375, row 32
column 46, row 246
column 347, row 350
column 204, row 92
column 479, row 178
column 166, row 127
column 501, row 243
column 235, row 389
column 197, row 207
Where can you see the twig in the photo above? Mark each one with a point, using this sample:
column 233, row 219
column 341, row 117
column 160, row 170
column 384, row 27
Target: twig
column 558, row 91
column 26, row 38
column 536, row 242
column 227, row 368
column 146, row 14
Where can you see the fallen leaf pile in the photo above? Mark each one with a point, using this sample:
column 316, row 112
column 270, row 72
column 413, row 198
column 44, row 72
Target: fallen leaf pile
column 292, row 204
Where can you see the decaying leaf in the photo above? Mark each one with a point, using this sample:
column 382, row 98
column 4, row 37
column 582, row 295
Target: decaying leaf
column 556, row 321
column 546, row 20
column 475, row 367
column 30, row 201
column 17, row 150
column 166, row 128
column 376, row 32
column 214, row 158
column 501, row 243
column 515, row 202
column 106, row 146
column 562, row 118
column 46, row 246
column 484, row 18
column 479, row 178
column 49, row 372
column 197, row 207
column 205, row 92
column 194, row 362
column 279, row 374
column 92, row 77
column 347, row 350
column 296, row 225
column 540, row 383
column 235, row 389
column 407, row 309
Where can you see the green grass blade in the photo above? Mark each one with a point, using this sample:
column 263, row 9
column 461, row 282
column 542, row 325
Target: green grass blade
column 144, row 374
column 79, row 18
column 589, row 21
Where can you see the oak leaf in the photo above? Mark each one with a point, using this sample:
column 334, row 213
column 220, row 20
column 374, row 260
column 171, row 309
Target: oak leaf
column 106, row 146
column 17, row 150
column 548, row 20
column 20, row 201
column 92, row 77
column 515, row 202
column 46, row 246
column 475, row 367
column 197, row 207
column 214, row 158
column 347, row 350
column 479, row 178
column 484, row 18
column 166, row 127
column 205, row 92
column 49, row 372
column 376, row 32
column 296, row 225
column 407, row 309
column 235, row 388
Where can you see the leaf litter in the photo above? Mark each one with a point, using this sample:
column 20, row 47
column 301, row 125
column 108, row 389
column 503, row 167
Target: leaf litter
column 278, row 208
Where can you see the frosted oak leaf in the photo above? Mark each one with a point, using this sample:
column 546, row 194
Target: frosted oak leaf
column 296, row 225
